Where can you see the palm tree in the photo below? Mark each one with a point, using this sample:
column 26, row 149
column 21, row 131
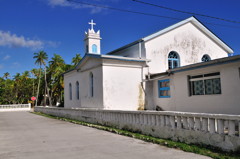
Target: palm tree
column 6, row 75
column 17, row 83
column 76, row 59
column 56, row 65
column 56, row 68
column 25, row 75
column 41, row 58
column 34, row 73
column 25, row 89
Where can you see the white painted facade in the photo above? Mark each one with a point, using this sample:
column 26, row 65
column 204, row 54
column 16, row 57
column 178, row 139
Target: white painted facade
column 121, row 78
column 227, row 102
column 189, row 38
column 83, row 77
column 113, row 80
column 122, row 88
column 188, row 41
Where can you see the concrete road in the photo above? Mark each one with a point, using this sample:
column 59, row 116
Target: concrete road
column 27, row 136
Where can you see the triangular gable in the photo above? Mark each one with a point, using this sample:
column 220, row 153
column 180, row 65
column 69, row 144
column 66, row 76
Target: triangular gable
column 196, row 23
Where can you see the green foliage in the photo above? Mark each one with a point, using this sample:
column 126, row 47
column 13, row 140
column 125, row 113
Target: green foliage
column 76, row 59
column 17, row 90
column 23, row 86
column 41, row 58
column 206, row 151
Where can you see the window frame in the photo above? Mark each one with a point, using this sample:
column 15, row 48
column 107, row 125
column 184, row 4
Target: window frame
column 172, row 60
column 91, row 85
column 203, row 78
column 94, row 48
column 70, row 91
column 87, row 49
column 163, row 88
column 77, row 91
column 208, row 57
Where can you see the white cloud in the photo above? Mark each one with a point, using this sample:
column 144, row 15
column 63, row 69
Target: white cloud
column 12, row 40
column 65, row 3
column 6, row 57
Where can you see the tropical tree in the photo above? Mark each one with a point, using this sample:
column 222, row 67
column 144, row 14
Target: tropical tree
column 8, row 91
column 1, row 90
column 17, row 76
column 56, row 69
column 25, row 75
column 47, row 79
column 35, row 73
column 41, row 58
column 6, row 75
column 17, row 85
column 76, row 59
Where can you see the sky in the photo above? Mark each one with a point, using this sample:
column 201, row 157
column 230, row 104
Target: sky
column 58, row 26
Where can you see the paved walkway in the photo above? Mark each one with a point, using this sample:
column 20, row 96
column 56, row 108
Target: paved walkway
column 27, row 136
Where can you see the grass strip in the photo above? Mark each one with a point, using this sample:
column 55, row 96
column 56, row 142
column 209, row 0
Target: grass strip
column 206, row 151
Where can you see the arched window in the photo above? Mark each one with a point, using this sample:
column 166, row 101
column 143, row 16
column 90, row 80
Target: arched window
column 91, row 84
column 70, row 91
column 173, row 60
column 77, row 90
column 94, row 48
column 206, row 58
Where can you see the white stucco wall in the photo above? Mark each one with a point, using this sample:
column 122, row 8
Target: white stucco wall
column 117, row 84
column 72, row 78
column 83, row 76
column 188, row 41
column 168, row 104
column 228, row 102
column 97, row 100
column 122, row 85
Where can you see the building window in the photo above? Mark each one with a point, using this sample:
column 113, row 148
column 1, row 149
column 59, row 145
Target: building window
column 206, row 58
column 86, row 49
column 205, row 84
column 164, row 88
column 239, row 71
column 91, row 84
column 173, row 60
column 94, row 48
column 77, row 90
column 70, row 91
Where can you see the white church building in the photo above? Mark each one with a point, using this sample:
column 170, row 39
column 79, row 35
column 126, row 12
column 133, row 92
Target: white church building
column 184, row 67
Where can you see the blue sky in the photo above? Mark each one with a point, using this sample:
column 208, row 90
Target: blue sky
column 57, row 26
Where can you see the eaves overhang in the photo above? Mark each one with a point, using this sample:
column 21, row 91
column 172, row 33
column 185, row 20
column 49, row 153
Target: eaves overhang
column 195, row 66
column 109, row 57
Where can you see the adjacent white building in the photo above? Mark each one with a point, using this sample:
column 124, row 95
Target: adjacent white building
column 206, row 87
column 165, row 70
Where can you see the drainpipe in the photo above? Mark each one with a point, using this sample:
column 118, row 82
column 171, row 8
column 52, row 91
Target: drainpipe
column 140, row 49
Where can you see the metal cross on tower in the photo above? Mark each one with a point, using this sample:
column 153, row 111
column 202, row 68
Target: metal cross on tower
column 91, row 23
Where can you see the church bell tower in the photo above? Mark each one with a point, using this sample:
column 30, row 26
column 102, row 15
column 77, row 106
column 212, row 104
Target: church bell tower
column 92, row 40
